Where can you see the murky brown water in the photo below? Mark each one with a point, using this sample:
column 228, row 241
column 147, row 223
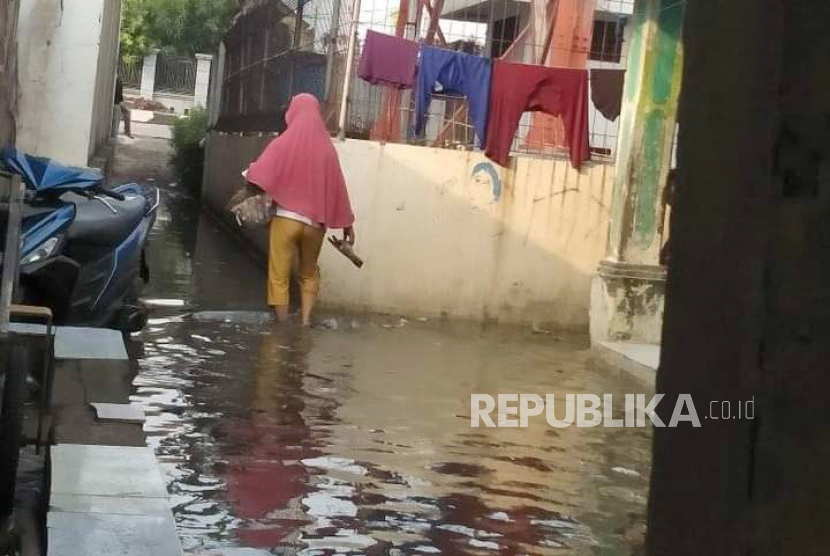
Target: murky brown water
column 357, row 440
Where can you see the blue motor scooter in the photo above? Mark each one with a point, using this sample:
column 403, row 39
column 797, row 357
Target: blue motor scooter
column 82, row 245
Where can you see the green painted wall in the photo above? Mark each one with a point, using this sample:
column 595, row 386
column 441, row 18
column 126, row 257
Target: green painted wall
column 667, row 50
column 647, row 129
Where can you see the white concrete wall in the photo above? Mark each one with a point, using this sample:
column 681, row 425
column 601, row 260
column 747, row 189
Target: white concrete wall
column 103, row 108
column 436, row 240
column 63, row 104
column 216, row 81
column 203, row 64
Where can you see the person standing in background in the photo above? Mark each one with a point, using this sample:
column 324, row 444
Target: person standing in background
column 668, row 201
column 119, row 104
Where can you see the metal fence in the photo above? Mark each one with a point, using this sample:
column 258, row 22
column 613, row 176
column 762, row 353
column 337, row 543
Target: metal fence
column 175, row 74
column 276, row 49
column 130, row 74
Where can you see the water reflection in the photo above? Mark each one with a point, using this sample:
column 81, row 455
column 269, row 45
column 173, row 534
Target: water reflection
column 357, row 440
column 267, row 481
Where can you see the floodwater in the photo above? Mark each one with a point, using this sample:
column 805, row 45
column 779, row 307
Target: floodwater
column 355, row 438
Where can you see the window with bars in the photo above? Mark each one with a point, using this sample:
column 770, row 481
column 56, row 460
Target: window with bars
column 607, row 41
column 504, row 33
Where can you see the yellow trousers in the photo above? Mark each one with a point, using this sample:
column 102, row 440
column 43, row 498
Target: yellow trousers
column 289, row 238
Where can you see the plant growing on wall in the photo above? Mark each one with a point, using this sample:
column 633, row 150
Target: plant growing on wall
column 188, row 154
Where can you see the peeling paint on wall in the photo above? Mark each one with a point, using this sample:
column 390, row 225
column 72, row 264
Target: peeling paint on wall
column 652, row 90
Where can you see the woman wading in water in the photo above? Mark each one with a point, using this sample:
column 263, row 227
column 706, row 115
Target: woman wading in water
column 300, row 171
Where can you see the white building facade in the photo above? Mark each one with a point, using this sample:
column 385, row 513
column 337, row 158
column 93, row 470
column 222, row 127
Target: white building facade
column 68, row 59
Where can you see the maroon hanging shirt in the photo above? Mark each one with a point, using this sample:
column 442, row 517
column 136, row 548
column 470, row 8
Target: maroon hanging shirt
column 519, row 88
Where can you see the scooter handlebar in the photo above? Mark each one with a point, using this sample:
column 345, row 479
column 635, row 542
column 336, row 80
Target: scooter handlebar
column 115, row 195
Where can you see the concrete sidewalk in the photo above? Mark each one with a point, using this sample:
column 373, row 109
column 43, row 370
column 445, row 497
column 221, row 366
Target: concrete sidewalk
column 639, row 360
column 109, row 500
column 156, row 131
column 107, row 495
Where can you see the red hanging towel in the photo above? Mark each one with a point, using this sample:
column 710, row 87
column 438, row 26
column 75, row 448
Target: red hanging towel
column 519, row 88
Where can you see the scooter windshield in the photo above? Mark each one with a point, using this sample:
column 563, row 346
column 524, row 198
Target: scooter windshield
column 44, row 174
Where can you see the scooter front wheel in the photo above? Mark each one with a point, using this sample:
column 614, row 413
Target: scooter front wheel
column 132, row 318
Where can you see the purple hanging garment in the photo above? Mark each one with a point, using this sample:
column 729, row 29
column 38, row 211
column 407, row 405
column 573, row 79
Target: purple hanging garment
column 388, row 60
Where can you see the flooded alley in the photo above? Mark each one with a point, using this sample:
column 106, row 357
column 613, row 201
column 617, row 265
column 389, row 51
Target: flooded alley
column 354, row 437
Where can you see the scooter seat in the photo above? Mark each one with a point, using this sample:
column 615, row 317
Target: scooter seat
column 96, row 223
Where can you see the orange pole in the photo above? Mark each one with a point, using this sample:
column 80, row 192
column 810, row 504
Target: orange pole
column 434, row 17
column 569, row 48
column 388, row 126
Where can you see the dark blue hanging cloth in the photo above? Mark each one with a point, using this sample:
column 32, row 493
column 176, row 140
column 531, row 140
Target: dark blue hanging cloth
column 454, row 73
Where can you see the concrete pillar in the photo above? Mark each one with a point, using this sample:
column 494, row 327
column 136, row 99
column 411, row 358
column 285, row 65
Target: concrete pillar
column 148, row 75
column 747, row 301
column 627, row 295
column 216, row 86
column 203, row 63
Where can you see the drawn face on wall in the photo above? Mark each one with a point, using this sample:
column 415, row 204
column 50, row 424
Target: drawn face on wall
column 485, row 177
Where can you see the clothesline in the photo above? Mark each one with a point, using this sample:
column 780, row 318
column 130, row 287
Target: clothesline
column 286, row 53
column 493, row 132
column 497, row 92
column 419, row 40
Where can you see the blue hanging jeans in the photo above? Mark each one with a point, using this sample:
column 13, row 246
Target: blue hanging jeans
column 457, row 74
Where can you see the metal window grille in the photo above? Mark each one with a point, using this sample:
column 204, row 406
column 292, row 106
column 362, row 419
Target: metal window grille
column 276, row 49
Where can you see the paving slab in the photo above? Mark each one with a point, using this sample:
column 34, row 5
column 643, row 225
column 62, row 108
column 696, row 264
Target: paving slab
column 119, row 412
column 74, row 428
column 106, row 471
column 644, row 354
column 99, row 381
column 236, row 552
column 73, row 342
column 79, row 383
column 638, row 360
column 109, row 505
column 155, row 131
column 28, row 329
column 74, row 534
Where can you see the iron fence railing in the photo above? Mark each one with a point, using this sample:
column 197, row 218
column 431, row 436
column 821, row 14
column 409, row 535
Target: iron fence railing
column 274, row 51
column 130, row 74
column 175, row 74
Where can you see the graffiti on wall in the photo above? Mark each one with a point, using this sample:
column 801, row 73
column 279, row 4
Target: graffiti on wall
column 485, row 174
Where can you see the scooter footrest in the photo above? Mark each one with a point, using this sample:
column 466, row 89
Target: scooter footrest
column 31, row 311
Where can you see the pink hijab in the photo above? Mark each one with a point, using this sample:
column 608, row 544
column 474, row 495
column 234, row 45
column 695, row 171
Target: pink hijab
column 300, row 170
